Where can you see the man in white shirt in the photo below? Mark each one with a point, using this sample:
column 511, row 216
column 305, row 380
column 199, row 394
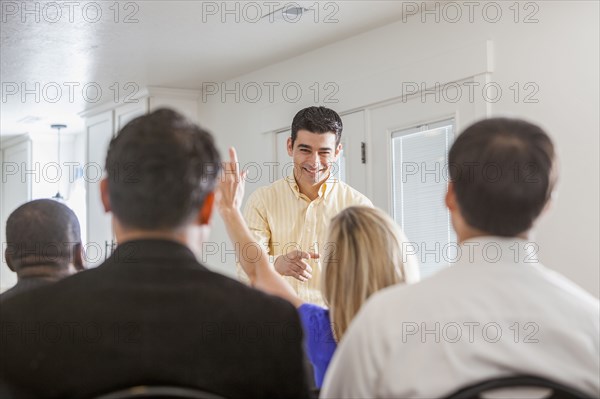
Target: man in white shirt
column 497, row 311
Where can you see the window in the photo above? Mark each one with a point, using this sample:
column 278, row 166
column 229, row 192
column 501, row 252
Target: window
column 419, row 181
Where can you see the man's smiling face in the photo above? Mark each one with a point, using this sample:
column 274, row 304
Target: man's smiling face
column 313, row 155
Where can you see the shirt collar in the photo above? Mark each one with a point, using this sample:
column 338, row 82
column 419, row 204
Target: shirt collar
column 497, row 250
column 324, row 192
column 142, row 250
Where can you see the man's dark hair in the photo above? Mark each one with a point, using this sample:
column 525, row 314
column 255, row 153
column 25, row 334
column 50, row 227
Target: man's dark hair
column 42, row 232
column 317, row 120
column 160, row 169
column 503, row 172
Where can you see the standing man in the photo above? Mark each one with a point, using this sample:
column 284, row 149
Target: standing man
column 290, row 217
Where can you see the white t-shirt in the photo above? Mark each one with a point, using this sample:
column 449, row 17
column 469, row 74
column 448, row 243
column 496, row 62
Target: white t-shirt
column 496, row 312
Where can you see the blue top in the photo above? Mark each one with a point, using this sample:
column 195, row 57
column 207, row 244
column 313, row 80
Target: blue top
column 320, row 343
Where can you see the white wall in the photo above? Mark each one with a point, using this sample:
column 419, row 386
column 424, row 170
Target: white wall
column 559, row 54
column 45, row 176
column 48, row 177
column 14, row 191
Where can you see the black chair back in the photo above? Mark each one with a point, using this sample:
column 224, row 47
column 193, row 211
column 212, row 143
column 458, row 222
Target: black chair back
column 558, row 391
column 159, row 392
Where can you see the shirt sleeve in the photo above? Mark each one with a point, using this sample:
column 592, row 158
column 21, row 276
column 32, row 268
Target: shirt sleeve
column 255, row 214
column 359, row 198
column 365, row 201
column 320, row 343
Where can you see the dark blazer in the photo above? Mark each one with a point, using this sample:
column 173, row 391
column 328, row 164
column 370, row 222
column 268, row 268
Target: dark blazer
column 25, row 284
column 151, row 314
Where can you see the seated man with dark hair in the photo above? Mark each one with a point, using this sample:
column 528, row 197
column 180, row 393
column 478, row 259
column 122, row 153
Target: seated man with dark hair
column 497, row 311
column 43, row 244
column 151, row 314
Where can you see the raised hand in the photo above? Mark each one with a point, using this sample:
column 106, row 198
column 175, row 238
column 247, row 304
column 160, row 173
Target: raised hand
column 231, row 184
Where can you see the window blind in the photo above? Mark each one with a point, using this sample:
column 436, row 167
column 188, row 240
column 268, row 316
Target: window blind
column 419, row 182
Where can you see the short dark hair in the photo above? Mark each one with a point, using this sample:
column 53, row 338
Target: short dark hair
column 317, row 120
column 160, row 169
column 503, row 173
column 42, row 232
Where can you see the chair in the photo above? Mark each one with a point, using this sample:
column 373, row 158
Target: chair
column 159, row 392
column 557, row 391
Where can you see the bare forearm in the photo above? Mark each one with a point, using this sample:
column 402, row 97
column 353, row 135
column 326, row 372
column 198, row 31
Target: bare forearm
column 242, row 238
column 258, row 268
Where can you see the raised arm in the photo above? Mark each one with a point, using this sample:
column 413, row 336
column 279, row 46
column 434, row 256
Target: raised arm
column 255, row 216
column 252, row 256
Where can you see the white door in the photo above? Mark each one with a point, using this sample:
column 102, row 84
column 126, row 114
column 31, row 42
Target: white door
column 408, row 176
column 16, row 190
column 127, row 112
column 354, row 151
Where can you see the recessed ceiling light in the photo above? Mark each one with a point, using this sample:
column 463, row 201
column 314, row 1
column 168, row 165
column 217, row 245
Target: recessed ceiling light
column 30, row 119
column 292, row 12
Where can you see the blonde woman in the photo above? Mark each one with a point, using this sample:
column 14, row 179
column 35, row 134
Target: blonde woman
column 364, row 255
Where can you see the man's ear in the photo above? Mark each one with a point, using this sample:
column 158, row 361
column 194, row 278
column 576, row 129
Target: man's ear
column 105, row 195
column 338, row 151
column 290, row 147
column 78, row 257
column 549, row 204
column 9, row 260
column 206, row 211
column 451, row 198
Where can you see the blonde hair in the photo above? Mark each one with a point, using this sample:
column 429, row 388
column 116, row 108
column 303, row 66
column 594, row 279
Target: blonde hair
column 363, row 255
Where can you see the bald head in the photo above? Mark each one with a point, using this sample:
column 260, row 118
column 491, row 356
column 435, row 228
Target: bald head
column 43, row 233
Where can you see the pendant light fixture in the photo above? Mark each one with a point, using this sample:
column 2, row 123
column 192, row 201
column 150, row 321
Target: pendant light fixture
column 58, row 196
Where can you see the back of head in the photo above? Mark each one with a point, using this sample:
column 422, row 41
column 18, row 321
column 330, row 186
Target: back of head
column 161, row 167
column 42, row 233
column 363, row 255
column 317, row 120
column 503, row 173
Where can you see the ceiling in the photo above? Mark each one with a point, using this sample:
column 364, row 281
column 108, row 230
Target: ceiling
column 47, row 63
